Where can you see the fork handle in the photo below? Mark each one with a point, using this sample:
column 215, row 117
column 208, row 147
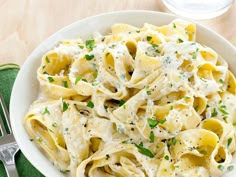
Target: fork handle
column 11, row 170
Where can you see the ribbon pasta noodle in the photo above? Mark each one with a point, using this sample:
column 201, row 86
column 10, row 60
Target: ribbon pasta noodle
column 140, row 102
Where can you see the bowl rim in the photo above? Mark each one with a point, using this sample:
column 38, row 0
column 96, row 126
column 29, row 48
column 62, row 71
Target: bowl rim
column 31, row 58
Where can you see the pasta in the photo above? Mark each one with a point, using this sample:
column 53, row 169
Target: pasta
column 139, row 102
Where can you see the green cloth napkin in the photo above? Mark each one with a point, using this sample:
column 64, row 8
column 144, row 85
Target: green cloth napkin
column 8, row 74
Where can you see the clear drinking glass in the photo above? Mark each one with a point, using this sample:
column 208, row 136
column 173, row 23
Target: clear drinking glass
column 198, row 9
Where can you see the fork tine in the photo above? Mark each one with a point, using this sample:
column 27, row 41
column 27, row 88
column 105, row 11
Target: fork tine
column 2, row 127
column 6, row 114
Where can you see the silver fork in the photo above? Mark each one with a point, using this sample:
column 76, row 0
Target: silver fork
column 8, row 145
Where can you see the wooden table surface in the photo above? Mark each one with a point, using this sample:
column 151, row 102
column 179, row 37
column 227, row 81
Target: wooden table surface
column 26, row 23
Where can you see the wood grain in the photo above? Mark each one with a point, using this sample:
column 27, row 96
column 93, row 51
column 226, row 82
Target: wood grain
column 24, row 24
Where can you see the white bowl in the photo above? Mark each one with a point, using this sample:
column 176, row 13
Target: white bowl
column 26, row 87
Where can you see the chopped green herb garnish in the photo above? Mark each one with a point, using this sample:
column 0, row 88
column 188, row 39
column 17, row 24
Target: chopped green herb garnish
column 186, row 97
column 89, row 57
column 180, row 40
column 152, row 122
column 221, row 81
column 154, row 45
column 90, row 44
column 230, row 168
column 125, row 142
column 223, row 106
column 207, row 106
column 46, row 111
column 203, row 152
column 80, row 46
column 174, row 25
column 47, row 59
column 144, row 151
column 50, row 79
column 203, row 79
column 194, row 55
column 151, row 137
column 95, row 75
column 162, row 121
column 225, row 118
column 64, row 106
column 166, row 157
column 149, row 38
column 65, row 171
column 229, row 141
column 90, row 104
column 39, row 139
column 54, row 124
column 105, row 107
column 65, row 84
column 214, row 113
column 66, row 129
column 148, row 92
column 220, row 167
column 112, row 46
column 173, row 141
column 138, row 31
column 122, row 102
column 222, row 109
column 234, row 124
column 78, row 78
column 171, row 107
